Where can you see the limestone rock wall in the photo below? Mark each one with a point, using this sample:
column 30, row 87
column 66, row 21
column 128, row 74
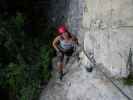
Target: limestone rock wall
column 109, row 34
column 75, row 17
column 58, row 11
column 104, row 26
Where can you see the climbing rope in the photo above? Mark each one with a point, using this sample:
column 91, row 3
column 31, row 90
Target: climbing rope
column 91, row 58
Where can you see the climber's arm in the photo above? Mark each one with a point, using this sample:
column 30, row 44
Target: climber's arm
column 56, row 43
column 75, row 39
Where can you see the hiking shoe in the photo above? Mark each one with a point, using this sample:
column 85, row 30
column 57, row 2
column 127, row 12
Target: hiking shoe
column 89, row 69
column 61, row 75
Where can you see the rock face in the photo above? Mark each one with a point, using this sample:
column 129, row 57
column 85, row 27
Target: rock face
column 104, row 26
column 104, row 29
column 79, row 84
column 68, row 12
column 75, row 16
column 109, row 34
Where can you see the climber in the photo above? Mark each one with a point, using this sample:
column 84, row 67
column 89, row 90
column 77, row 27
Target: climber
column 64, row 45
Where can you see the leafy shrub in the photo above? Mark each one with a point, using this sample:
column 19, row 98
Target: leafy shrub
column 46, row 56
column 128, row 80
column 22, row 78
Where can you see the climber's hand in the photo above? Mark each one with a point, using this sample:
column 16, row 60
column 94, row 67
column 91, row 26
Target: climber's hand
column 59, row 53
column 57, row 49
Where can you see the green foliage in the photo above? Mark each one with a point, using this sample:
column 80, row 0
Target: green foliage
column 23, row 80
column 26, row 59
column 14, row 75
column 30, row 92
column 46, row 55
column 128, row 81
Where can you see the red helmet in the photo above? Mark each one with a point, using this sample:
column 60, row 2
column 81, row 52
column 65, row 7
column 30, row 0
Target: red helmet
column 62, row 29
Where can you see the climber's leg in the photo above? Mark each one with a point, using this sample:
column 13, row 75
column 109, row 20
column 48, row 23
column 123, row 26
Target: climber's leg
column 66, row 59
column 61, row 71
column 68, row 54
column 61, row 65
